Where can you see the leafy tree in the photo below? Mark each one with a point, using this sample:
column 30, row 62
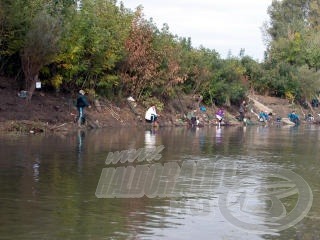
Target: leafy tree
column 312, row 54
column 226, row 85
column 314, row 15
column 253, row 74
column 139, row 68
column 309, row 83
column 200, row 65
column 287, row 17
column 94, row 46
column 280, row 78
column 169, row 53
column 293, row 44
column 32, row 30
column 291, row 50
column 40, row 47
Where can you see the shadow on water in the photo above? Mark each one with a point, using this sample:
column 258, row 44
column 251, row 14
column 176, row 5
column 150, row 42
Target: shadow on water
column 209, row 183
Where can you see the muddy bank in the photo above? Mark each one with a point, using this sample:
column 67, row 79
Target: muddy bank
column 124, row 118
column 56, row 112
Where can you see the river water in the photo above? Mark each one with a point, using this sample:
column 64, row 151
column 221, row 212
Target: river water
column 211, row 183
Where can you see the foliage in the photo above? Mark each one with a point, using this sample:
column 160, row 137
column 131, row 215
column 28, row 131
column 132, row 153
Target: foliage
column 289, row 96
column 312, row 54
column 148, row 102
column 309, row 83
column 139, row 68
column 253, row 74
column 56, row 81
column 293, row 54
column 226, row 85
column 94, row 46
column 31, row 30
column 152, row 65
column 112, row 51
column 200, row 65
column 40, row 47
column 169, row 52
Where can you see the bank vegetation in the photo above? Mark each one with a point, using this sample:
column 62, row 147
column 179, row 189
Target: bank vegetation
column 115, row 52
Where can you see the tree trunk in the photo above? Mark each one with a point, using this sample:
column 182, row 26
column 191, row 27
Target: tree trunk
column 31, row 72
column 228, row 102
column 32, row 86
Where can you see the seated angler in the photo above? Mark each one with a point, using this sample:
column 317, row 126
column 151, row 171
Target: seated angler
column 151, row 116
column 294, row 117
column 220, row 115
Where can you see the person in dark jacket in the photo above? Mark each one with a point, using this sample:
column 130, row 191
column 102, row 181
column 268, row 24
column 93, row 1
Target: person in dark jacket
column 242, row 110
column 82, row 102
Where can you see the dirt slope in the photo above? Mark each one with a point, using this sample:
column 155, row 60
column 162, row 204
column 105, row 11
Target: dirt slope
column 56, row 111
column 278, row 106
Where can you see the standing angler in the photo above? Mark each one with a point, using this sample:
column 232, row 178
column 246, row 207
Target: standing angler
column 82, row 102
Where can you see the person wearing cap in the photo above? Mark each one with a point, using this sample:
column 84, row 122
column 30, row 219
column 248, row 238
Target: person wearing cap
column 82, row 102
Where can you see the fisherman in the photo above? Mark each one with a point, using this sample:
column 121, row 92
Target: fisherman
column 263, row 116
column 193, row 118
column 294, row 117
column 82, row 102
column 151, row 115
column 242, row 110
column 220, row 116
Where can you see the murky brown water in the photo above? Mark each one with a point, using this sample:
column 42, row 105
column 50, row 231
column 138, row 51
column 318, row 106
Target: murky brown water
column 228, row 183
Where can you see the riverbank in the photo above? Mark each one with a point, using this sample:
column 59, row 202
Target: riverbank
column 49, row 113
column 55, row 112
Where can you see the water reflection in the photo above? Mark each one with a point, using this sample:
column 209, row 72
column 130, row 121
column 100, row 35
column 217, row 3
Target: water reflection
column 229, row 163
column 218, row 134
column 80, row 147
column 36, row 169
column 150, row 139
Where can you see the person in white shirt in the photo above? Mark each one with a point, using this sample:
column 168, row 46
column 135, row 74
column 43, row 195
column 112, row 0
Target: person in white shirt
column 151, row 115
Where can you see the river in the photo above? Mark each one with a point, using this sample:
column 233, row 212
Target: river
column 250, row 182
